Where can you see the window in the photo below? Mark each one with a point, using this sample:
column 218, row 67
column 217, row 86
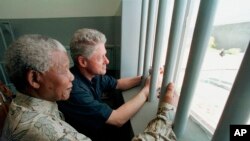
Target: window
column 228, row 42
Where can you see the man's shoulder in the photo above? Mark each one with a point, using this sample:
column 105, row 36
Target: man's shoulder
column 79, row 80
column 106, row 78
column 80, row 89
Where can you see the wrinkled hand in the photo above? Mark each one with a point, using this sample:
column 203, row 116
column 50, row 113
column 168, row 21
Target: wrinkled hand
column 159, row 80
column 147, row 85
column 147, row 82
column 171, row 96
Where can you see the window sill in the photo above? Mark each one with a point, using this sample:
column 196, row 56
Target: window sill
column 140, row 120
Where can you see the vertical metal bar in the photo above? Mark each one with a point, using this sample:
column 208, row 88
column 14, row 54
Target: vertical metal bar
column 185, row 32
column 238, row 101
column 174, row 41
column 153, row 5
column 162, row 26
column 3, row 44
column 143, row 31
column 199, row 45
column 8, row 27
column 3, row 74
column 3, row 39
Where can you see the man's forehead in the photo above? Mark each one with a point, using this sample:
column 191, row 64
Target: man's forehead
column 60, row 57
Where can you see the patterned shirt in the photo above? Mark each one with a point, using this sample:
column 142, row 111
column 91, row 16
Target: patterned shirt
column 35, row 119
column 160, row 128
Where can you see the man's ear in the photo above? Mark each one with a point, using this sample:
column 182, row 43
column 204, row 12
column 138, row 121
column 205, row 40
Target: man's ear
column 33, row 78
column 82, row 61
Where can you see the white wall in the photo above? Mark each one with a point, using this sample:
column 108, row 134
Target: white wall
column 131, row 16
column 16, row 9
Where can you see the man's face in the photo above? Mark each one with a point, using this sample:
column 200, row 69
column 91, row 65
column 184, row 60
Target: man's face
column 56, row 83
column 97, row 62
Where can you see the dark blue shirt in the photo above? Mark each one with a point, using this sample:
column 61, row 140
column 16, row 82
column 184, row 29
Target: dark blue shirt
column 85, row 110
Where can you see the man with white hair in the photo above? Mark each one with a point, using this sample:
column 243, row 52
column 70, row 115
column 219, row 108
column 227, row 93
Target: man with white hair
column 39, row 68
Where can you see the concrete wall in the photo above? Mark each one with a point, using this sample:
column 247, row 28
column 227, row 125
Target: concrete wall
column 131, row 17
column 59, row 19
column 16, row 9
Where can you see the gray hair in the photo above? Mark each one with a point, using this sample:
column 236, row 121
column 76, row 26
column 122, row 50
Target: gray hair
column 29, row 52
column 84, row 42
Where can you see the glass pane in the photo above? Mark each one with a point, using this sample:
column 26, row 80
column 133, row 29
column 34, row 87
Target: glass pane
column 226, row 49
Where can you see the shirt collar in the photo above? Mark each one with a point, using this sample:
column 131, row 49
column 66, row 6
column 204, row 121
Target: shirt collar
column 78, row 74
column 38, row 105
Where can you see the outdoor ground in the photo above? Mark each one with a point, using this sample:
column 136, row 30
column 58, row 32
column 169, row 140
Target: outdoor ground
column 215, row 82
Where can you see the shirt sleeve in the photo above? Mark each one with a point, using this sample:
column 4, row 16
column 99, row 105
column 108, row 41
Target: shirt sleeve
column 108, row 82
column 160, row 128
column 84, row 103
column 82, row 109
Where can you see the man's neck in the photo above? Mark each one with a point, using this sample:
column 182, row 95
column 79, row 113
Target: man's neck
column 86, row 74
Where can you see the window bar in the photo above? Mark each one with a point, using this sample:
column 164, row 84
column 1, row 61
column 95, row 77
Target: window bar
column 153, row 5
column 3, row 74
column 173, row 44
column 161, row 33
column 143, row 31
column 199, row 45
column 8, row 27
column 182, row 47
column 3, row 39
column 236, row 110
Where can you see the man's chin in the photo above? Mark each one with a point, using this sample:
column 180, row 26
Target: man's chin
column 103, row 72
column 65, row 97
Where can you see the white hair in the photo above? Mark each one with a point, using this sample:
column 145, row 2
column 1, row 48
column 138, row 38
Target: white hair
column 84, row 42
column 29, row 52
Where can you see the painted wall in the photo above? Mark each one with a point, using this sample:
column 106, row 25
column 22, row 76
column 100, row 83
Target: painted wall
column 16, row 9
column 59, row 19
column 63, row 28
column 131, row 17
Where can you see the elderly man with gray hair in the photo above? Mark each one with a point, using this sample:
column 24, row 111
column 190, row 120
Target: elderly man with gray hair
column 39, row 68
